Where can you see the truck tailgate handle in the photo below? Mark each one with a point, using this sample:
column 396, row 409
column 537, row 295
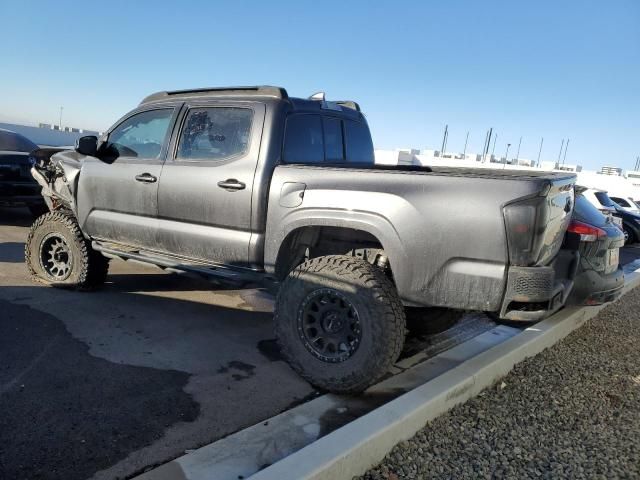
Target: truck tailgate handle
column 231, row 184
column 146, row 178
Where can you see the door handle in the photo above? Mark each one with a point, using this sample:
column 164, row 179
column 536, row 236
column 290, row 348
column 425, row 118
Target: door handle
column 146, row 178
column 231, row 184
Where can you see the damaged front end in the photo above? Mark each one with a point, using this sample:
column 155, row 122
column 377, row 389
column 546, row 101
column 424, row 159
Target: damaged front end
column 57, row 172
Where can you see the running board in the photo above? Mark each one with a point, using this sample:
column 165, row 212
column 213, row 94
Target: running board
column 177, row 265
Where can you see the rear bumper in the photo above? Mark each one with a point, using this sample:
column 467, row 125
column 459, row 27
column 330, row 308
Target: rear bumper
column 534, row 293
column 595, row 288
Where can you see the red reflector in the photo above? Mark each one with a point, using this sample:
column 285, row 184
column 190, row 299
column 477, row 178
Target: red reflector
column 588, row 233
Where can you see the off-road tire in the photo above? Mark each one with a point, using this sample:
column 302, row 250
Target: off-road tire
column 380, row 312
column 88, row 268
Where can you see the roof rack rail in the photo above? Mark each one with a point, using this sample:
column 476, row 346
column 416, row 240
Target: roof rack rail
column 263, row 90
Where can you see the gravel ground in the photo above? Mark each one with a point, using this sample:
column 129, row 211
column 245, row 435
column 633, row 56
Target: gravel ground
column 571, row 412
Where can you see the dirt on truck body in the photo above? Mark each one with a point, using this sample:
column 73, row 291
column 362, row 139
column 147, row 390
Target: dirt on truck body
column 249, row 184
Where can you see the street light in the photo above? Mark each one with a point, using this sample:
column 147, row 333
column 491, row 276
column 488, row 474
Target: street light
column 506, row 154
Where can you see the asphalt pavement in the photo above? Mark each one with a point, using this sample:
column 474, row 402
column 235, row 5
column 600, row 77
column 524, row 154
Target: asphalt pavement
column 108, row 384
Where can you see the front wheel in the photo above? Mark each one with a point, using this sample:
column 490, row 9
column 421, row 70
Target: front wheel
column 57, row 254
column 340, row 323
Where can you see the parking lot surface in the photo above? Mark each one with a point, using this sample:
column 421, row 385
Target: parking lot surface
column 107, row 384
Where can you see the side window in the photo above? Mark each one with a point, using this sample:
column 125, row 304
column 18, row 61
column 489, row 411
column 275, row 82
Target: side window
column 215, row 133
column 359, row 147
column 333, row 145
column 620, row 201
column 303, row 139
column 142, row 135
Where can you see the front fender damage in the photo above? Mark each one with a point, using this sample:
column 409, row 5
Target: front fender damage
column 58, row 175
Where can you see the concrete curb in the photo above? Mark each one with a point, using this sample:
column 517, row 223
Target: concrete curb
column 363, row 443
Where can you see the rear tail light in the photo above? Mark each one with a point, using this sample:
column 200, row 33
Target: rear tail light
column 522, row 223
column 588, row 233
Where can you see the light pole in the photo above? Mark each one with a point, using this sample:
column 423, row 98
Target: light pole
column 465, row 146
column 540, row 151
column 566, row 145
column 519, row 143
column 506, row 154
column 493, row 150
column 560, row 153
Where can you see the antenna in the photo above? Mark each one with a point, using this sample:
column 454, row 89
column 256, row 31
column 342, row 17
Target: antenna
column 317, row 96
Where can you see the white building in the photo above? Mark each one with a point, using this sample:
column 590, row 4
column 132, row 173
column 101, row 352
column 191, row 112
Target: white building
column 46, row 135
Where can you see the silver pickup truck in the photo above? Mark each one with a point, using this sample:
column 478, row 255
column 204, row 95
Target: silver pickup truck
column 251, row 185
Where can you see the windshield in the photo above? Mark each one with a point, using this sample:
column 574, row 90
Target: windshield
column 14, row 142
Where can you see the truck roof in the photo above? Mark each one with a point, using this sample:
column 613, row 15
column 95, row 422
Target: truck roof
column 314, row 103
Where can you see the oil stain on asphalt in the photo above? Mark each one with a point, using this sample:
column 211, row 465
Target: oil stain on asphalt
column 67, row 414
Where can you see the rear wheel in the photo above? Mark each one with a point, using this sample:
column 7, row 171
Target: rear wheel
column 57, row 254
column 339, row 322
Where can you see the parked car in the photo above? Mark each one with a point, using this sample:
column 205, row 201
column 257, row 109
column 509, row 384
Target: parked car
column 599, row 278
column 626, row 203
column 17, row 186
column 627, row 220
column 599, row 199
column 249, row 184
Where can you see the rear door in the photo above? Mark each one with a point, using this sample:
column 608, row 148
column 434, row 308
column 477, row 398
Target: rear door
column 204, row 198
column 118, row 194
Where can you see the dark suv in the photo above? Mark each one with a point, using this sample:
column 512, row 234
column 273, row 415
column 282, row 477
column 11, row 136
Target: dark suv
column 17, row 186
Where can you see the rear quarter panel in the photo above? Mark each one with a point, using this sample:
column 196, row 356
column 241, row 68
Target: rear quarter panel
column 444, row 234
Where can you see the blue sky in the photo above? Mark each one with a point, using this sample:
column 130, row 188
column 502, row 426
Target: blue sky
column 552, row 69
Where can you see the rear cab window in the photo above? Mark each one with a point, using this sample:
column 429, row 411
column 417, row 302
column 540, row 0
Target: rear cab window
column 323, row 139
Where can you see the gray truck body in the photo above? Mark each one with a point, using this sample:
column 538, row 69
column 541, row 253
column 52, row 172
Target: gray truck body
column 442, row 231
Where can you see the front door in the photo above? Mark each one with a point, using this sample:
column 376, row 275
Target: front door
column 118, row 194
column 204, row 199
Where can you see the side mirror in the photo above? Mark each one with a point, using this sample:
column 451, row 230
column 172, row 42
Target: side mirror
column 87, row 145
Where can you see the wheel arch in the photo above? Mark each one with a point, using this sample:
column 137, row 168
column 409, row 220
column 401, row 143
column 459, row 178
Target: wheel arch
column 335, row 236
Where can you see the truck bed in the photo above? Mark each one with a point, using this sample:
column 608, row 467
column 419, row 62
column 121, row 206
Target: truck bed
column 442, row 228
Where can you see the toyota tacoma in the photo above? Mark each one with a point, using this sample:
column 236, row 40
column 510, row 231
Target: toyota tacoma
column 248, row 184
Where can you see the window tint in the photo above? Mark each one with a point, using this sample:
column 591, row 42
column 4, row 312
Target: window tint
column 358, row 142
column 333, row 145
column 14, row 142
column 604, row 199
column 303, row 139
column 141, row 135
column 585, row 211
column 215, row 133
